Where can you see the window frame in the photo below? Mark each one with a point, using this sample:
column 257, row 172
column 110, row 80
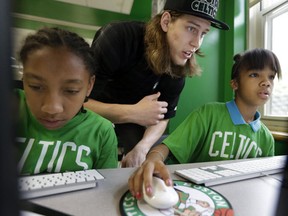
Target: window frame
column 257, row 38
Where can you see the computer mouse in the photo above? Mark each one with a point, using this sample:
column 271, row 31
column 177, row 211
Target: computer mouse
column 163, row 196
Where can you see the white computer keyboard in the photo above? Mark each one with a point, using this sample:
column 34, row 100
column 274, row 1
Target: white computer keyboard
column 234, row 171
column 49, row 184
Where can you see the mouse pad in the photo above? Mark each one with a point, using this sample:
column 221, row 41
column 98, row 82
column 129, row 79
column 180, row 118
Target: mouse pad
column 194, row 200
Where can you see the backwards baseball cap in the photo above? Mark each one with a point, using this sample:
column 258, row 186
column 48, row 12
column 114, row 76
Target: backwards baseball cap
column 206, row 9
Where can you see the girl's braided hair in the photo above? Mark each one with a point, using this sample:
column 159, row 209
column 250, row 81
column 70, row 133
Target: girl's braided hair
column 56, row 37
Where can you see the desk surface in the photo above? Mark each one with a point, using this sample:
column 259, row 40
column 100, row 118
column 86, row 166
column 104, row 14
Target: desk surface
column 258, row 196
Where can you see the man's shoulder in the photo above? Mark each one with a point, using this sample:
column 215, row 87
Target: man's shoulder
column 131, row 23
column 119, row 33
column 124, row 26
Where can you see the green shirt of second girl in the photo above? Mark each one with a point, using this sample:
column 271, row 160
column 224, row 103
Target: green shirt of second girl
column 88, row 141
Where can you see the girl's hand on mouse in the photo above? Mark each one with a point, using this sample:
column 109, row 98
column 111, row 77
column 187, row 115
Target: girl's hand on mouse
column 153, row 165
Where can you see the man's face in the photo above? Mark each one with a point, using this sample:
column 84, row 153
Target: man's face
column 185, row 36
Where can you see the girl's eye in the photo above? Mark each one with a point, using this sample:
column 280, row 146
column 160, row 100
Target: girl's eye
column 71, row 91
column 35, row 87
column 272, row 77
column 253, row 75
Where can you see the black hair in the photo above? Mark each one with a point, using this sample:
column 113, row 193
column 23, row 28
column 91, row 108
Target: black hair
column 56, row 37
column 255, row 59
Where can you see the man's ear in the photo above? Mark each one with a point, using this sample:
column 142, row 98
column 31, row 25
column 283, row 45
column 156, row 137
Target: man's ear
column 234, row 84
column 165, row 20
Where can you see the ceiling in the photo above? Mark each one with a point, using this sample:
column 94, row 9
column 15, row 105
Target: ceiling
column 120, row 6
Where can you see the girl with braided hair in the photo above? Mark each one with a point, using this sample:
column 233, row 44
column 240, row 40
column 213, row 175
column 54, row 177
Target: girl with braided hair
column 220, row 131
column 55, row 133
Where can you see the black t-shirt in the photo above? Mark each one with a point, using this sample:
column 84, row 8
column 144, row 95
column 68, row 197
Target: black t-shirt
column 122, row 72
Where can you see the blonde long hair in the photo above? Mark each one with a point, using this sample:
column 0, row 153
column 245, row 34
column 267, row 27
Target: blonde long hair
column 158, row 53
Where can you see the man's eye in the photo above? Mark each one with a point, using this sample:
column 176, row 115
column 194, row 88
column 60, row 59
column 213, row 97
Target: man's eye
column 203, row 35
column 191, row 29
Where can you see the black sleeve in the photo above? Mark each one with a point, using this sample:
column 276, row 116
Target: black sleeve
column 107, row 57
column 114, row 48
column 170, row 89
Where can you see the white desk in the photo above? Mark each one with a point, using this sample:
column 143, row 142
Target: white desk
column 258, row 196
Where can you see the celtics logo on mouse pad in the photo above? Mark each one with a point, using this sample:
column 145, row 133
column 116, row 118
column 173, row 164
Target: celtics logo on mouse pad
column 194, row 200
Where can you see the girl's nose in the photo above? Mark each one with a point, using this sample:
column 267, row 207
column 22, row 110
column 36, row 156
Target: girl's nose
column 265, row 82
column 52, row 104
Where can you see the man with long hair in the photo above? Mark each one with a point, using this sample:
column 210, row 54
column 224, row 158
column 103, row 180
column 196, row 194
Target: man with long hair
column 141, row 70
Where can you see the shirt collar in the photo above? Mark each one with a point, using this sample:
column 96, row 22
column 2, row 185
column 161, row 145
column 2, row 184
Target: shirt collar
column 237, row 118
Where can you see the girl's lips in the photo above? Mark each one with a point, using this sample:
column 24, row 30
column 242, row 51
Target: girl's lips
column 264, row 94
column 51, row 124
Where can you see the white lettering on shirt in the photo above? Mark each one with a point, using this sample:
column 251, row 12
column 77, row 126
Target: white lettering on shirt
column 54, row 152
column 62, row 154
column 226, row 144
column 45, row 145
column 79, row 156
column 216, row 153
column 26, row 152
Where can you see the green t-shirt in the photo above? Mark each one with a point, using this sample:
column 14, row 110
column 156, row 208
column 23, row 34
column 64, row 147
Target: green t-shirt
column 87, row 141
column 217, row 131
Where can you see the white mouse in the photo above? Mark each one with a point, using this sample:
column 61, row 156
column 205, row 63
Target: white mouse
column 163, row 196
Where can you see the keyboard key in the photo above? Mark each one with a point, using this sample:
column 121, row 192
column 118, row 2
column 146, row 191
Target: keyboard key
column 49, row 184
column 234, row 171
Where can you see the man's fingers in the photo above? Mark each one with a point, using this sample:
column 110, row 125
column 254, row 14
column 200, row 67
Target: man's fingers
column 163, row 110
column 155, row 96
column 163, row 104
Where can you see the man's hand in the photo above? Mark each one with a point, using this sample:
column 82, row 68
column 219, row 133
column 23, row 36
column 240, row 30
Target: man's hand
column 149, row 111
column 135, row 157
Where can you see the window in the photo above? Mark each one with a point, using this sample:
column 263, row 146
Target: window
column 267, row 21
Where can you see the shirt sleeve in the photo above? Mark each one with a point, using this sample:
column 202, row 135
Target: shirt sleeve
column 184, row 141
column 108, row 152
column 115, row 47
column 170, row 89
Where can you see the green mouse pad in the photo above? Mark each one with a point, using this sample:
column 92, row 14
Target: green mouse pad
column 194, row 200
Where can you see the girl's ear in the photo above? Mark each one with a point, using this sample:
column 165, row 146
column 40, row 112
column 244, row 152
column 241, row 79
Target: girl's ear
column 234, row 84
column 90, row 85
column 165, row 20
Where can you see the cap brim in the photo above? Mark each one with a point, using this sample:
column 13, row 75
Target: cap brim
column 215, row 23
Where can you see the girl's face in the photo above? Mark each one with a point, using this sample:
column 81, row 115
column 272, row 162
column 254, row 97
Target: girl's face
column 56, row 83
column 254, row 87
column 185, row 35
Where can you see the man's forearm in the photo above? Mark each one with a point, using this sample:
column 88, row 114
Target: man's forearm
column 153, row 134
column 116, row 113
column 147, row 112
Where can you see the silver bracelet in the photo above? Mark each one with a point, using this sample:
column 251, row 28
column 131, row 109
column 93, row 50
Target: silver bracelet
column 156, row 151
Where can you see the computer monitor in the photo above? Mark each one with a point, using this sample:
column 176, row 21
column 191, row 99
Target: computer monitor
column 8, row 177
column 282, row 204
